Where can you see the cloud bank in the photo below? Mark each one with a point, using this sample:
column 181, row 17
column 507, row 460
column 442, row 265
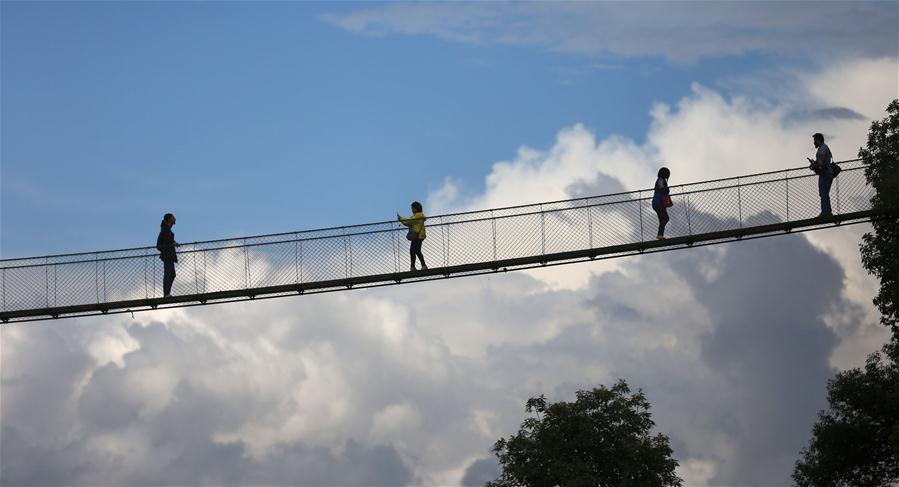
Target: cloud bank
column 412, row 385
column 821, row 31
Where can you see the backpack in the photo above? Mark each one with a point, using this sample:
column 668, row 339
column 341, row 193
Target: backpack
column 834, row 167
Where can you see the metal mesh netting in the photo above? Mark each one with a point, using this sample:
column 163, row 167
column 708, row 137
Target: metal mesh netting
column 456, row 239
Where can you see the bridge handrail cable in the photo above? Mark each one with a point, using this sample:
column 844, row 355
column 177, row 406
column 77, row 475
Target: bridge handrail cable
column 396, row 229
column 433, row 217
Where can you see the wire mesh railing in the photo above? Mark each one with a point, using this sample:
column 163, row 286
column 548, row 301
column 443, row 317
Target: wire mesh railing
column 380, row 249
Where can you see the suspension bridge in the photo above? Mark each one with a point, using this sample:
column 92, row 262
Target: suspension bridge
column 458, row 244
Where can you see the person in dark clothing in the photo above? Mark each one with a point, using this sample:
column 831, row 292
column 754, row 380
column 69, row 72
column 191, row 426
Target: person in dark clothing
column 166, row 244
column 661, row 201
column 822, row 164
column 416, row 234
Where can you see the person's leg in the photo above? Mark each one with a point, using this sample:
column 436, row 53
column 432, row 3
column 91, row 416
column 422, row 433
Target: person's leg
column 662, row 213
column 421, row 256
column 165, row 279
column 168, row 277
column 824, row 183
column 412, row 252
column 664, row 221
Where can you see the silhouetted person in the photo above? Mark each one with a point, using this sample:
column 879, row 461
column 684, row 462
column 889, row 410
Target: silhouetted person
column 821, row 164
column 661, row 201
column 166, row 244
column 416, row 234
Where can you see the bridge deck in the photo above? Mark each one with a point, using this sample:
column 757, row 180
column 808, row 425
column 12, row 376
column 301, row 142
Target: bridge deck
column 458, row 245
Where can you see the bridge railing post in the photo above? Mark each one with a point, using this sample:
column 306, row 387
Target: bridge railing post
column 740, row 201
column 47, row 281
column 493, row 225
column 443, row 226
column 787, row 183
column 449, row 244
column 246, row 264
column 97, row 276
column 346, row 254
column 146, row 260
column 589, row 223
column 396, row 247
column 686, row 199
column 205, row 274
column 837, row 184
column 542, row 231
column 193, row 257
column 639, row 202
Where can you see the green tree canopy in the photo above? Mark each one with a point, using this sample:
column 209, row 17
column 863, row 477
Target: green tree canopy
column 601, row 439
column 856, row 441
column 880, row 248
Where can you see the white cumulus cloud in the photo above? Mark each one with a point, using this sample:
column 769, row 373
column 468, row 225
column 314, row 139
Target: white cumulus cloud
column 411, row 385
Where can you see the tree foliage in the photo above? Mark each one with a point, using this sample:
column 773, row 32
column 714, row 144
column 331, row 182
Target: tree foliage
column 856, row 442
column 880, row 248
column 601, row 439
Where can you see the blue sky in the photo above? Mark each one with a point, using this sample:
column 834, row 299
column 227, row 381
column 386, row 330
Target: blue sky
column 257, row 118
column 246, row 118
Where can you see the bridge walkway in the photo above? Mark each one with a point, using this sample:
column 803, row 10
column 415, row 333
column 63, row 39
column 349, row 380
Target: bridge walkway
column 459, row 244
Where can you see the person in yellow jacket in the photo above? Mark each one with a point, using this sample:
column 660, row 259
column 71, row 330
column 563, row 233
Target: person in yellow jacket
column 416, row 234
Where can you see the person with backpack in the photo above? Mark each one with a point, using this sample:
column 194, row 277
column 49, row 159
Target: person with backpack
column 661, row 200
column 822, row 165
column 416, row 234
column 165, row 244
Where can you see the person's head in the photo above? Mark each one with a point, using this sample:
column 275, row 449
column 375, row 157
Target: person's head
column 416, row 207
column 818, row 139
column 167, row 220
column 664, row 173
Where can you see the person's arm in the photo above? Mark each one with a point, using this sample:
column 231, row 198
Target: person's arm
column 813, row 164
column 662, row 185
column 403, row 220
